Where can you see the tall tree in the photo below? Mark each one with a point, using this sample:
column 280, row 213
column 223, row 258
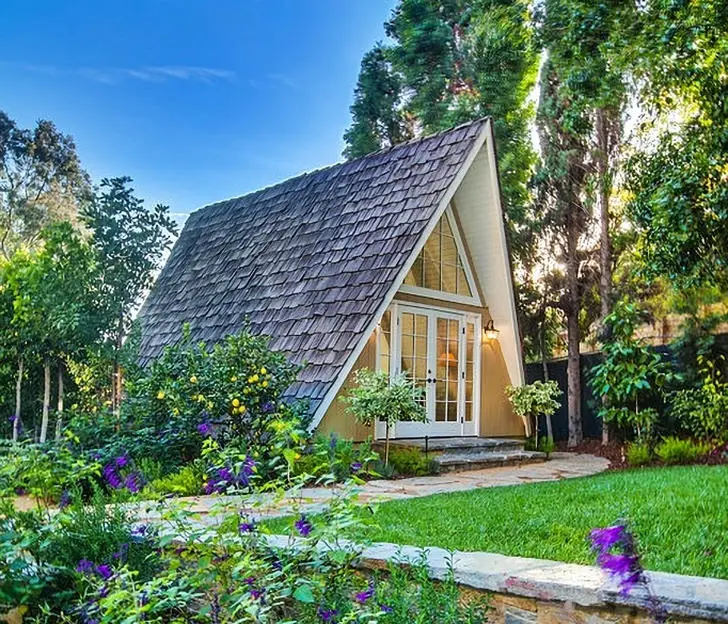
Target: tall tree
column 378, row 119
column 41, row 182
column 131, row 242
column 679, row 177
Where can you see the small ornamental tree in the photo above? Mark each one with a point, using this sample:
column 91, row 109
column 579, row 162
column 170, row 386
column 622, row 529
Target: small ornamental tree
column 376, row 396
column 630, row 374
column 534, row 400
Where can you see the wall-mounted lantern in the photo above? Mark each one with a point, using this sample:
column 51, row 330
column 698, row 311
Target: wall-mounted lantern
column 490, row 332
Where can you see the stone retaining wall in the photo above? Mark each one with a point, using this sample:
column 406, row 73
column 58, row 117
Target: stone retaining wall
column 535, row 591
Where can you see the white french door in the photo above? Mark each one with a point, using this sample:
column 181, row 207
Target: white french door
column 439, row 350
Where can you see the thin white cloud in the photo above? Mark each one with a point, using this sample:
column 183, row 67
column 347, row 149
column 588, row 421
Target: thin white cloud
column 155, row 73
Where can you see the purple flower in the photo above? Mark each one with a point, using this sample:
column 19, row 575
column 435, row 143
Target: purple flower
column 250, row 580
column 257, row 593
column 122, row 460
column 104, row 591
column 303, row 526
column 122, row 552
column 356, row 467
column 205, row 429
column 327, row 615
column 604, row 539
column 363, row 596
column 65, row 500
column 132, row 482
column 112, row 477
column 333, row 440
column 20, row 491
column 267, row 407
column 85, row 566
column 140, row 530
column 385, row 608
column 246, row 527
column 104, row 571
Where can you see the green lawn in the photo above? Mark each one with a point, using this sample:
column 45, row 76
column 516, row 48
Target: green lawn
column 679, row 514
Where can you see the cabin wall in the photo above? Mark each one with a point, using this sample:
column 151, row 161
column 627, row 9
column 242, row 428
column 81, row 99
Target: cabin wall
column 336, row 419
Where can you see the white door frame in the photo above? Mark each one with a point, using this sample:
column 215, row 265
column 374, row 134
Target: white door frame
column 433, row 429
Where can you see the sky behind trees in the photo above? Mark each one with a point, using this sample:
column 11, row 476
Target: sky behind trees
column 197, row 101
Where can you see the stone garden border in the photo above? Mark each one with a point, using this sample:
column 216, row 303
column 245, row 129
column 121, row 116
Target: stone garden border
column 541, row 591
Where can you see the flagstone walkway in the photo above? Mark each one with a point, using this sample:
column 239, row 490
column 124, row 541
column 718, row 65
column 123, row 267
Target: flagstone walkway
column 314, row 499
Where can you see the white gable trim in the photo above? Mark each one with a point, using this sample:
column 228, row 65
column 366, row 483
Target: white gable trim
column 384, row 304
column 441, row 294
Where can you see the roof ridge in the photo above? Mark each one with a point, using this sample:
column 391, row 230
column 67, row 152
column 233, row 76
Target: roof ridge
column 341, row 163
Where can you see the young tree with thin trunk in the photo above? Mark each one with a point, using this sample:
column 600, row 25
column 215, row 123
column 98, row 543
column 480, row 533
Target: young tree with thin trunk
column 130, row 243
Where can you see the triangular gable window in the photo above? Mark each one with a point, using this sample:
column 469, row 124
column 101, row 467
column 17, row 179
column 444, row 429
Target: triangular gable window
column 441, row 267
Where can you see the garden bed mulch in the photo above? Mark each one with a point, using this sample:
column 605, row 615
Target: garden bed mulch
column 615, row 451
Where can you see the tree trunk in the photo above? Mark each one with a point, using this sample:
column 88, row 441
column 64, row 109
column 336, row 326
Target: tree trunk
column 603, row 126
column 386, row 445
column 18, row 393
column 116, row 381
column 572, row 308
column 59, row 415
column 46, row 401
column 545, row 366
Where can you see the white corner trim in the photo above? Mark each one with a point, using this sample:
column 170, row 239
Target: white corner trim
column 367, row 332
column 504, row 258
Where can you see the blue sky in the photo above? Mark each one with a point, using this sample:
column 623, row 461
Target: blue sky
column 196, row 100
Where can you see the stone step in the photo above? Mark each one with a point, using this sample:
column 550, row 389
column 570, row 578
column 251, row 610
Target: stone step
column 453, row 462
column 462, row 445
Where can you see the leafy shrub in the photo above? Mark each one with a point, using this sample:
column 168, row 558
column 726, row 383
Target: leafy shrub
column 534, row 400
column 187, row 481
column 43, row 471
column 638, row 454
column 703, row 411
column 673, row 450
column 630, row 375
column 411, row 462
column 377, row 396
column 546, row 445
column 332, row 455
column 39, row 552
column 231, row 390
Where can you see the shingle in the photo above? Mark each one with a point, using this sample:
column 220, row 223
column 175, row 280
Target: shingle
column 307, row 261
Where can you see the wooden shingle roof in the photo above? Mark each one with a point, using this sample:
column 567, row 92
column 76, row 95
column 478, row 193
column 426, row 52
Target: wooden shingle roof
column 308, row 261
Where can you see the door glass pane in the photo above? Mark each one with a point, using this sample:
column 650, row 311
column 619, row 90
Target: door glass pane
column 446, row 394
column 414, row 346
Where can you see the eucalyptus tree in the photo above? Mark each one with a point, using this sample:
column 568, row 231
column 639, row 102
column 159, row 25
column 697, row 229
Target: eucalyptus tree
column 41, row 182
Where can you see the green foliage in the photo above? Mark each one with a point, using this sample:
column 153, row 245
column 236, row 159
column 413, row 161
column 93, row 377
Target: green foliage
column 411, row 462
column 44, row 472
column 377, row 118
column 703, row 411
column 379, row 397
column 413, row 596
column 39, row 552
column 673, row 450
column 546, row 445
column 630, row 374
column 678, row 52
column 41, row 182
column 337, row 457
column 376, row 397
column 534, row 399
column 638, row 454
column 187, row 481
column 233, row 389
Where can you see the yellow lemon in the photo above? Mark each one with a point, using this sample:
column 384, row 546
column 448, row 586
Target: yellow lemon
column 263, row 371
column 234, row 378
column 241, row 408
column 160, row 395
column 200, row 398
column 236, row 402
column 264, row 384
column 210, row 405
column 193, row 379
